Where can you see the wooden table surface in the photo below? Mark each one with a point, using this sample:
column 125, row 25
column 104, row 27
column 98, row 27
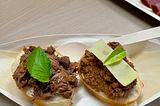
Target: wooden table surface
column 27, row 18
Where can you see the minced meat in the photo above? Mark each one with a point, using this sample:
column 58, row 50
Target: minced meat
column 63, row 79
column 100, row 78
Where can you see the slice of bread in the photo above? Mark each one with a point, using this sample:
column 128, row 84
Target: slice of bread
column 132, row 97
column 57, row 100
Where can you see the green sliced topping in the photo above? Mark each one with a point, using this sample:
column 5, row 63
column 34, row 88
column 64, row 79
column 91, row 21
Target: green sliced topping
column 38, row 65
column 117, row 54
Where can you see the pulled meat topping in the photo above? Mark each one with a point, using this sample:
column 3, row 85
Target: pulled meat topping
column 63, row 79
column 100, row 78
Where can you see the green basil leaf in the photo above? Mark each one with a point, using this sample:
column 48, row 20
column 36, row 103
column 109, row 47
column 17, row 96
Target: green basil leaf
column 38, row 65
column 117, row 55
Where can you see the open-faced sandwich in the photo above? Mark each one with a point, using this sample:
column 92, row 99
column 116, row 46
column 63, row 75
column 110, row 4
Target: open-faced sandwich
column 109, row 74
column 46, row 77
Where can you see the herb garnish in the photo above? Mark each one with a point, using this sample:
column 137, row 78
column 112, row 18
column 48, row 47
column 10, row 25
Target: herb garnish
column 38, row 65
column 117, row 55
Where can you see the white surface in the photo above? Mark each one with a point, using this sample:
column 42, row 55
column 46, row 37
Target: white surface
column 141, row 6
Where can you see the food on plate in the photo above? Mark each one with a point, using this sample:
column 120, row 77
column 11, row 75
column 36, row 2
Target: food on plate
column 45, row 76
column 153, row 4
column 149, row 3
column 116, row 83
column 156, row 8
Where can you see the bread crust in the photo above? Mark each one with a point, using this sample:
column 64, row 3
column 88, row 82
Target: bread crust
column 133, row 96
column 29, row 91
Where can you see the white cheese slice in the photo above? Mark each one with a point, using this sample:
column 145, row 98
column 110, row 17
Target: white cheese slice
column 121, row 70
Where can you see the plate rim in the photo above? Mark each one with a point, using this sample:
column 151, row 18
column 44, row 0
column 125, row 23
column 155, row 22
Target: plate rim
column 143, row 8
column 67, row 34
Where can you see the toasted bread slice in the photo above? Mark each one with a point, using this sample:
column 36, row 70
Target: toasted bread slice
column 132, row 97
column 57, row 100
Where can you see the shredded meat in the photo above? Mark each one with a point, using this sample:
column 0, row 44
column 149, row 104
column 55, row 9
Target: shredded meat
column 63, row 79
column 100, row 78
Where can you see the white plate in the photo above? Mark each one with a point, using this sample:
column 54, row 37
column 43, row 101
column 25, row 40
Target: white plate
column 82, row 97
column 141, row 6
